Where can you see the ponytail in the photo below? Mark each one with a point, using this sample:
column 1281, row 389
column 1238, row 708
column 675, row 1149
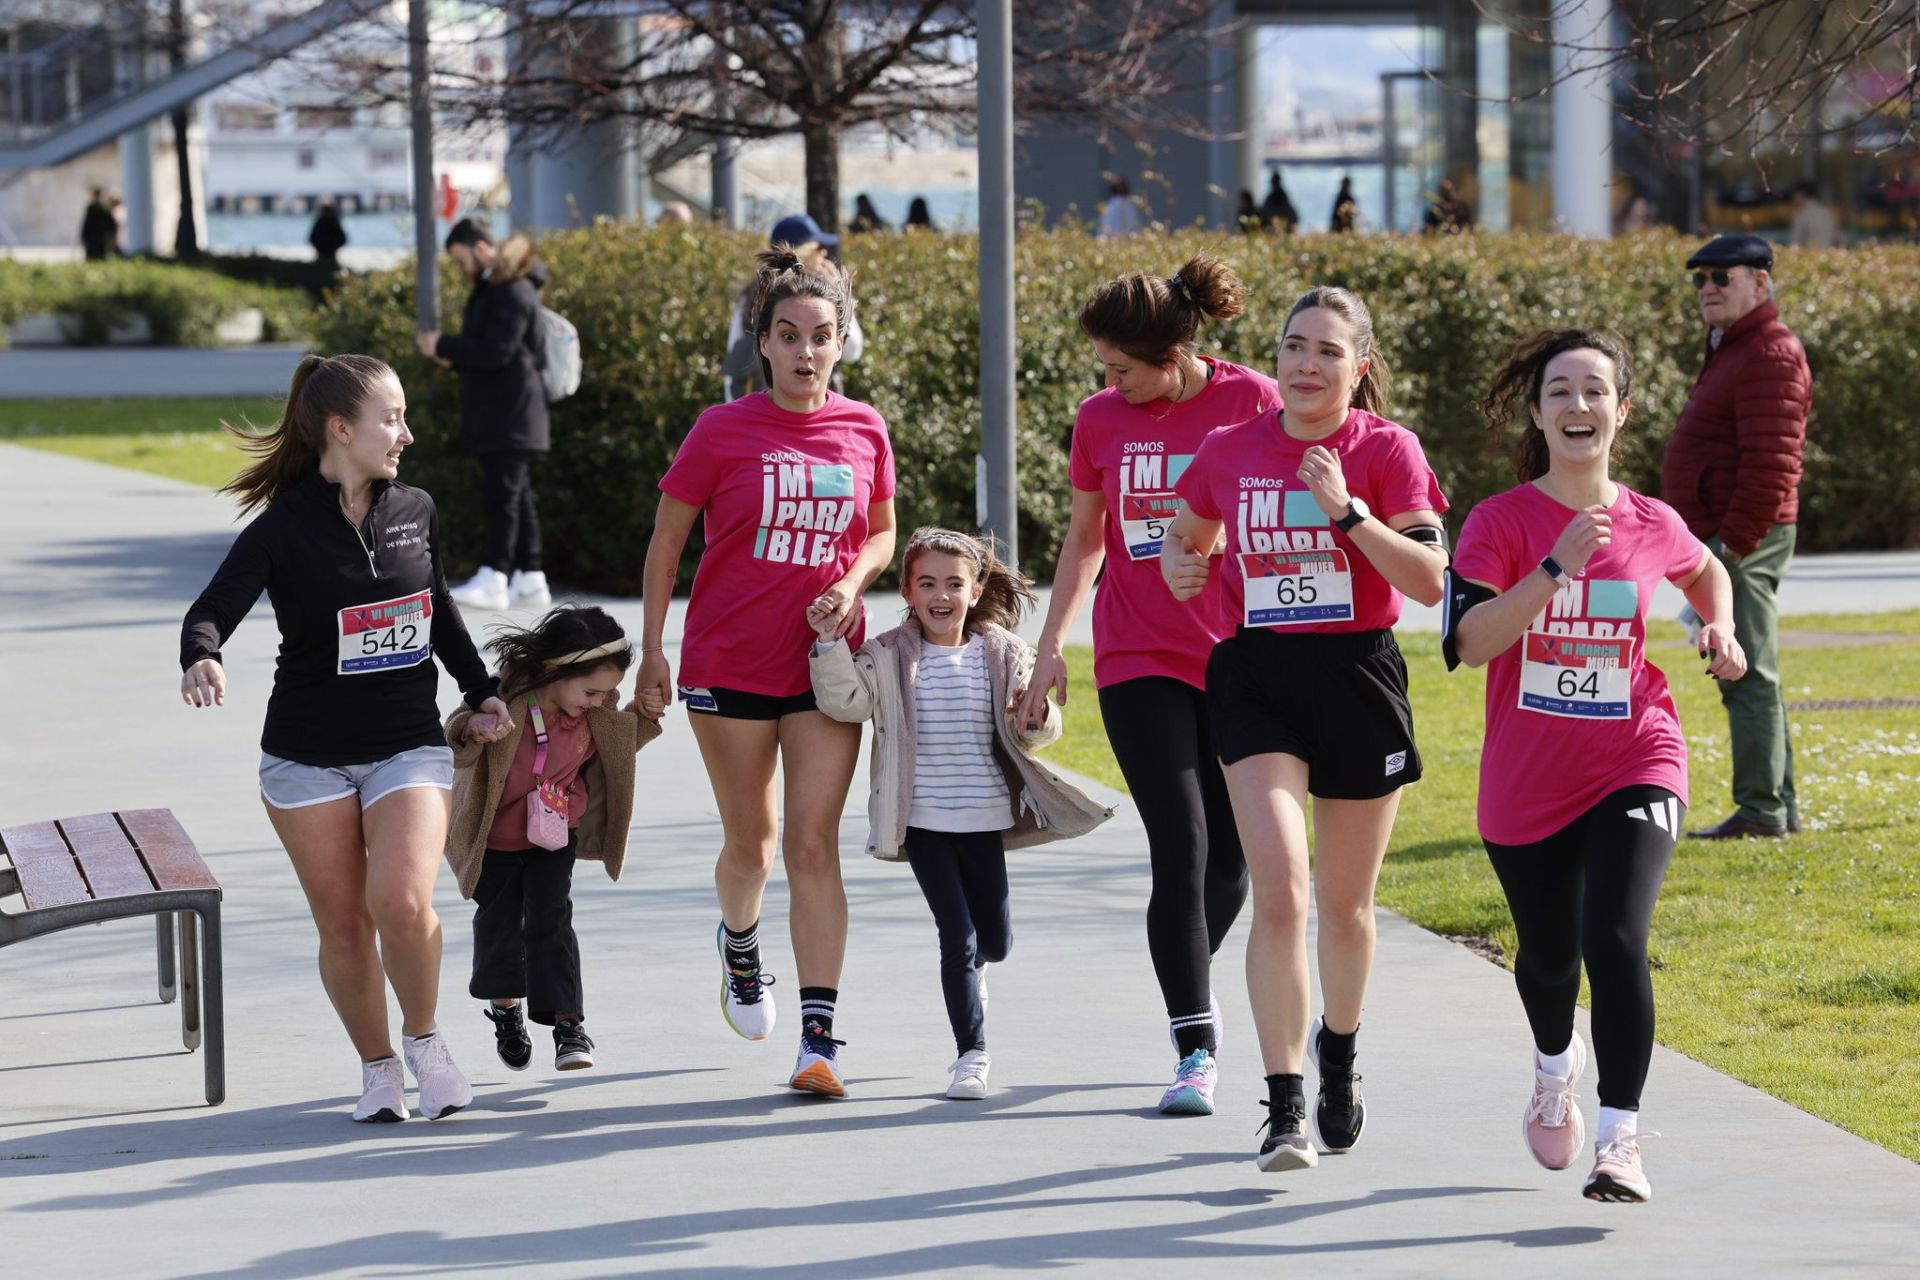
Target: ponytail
column 1371, row 392
column 571, row 640
column 1005, row 593
column 323, row 387
column 1155, row 319
column 796, row 271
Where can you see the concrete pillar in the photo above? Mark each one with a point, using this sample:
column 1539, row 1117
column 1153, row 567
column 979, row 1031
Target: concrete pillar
column 1224, row 164
column 1582, row 120
column 520, row 197
column 136, row 188
column 587, row 171
column 1246, row 110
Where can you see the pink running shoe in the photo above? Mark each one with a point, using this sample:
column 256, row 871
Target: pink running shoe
column 1617, row 1176
column 1552, row 1125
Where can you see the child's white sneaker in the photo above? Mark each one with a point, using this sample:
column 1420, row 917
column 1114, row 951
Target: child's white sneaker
column 528, row 589
column 486, row 589
column 383, row 1092
column 970, row 1076
column 443, row 1088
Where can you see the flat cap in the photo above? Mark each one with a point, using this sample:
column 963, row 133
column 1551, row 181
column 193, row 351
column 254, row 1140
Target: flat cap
column 1733, row 251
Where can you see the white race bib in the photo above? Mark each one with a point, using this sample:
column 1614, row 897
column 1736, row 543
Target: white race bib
column 1144, row 518
column 1292, row 588
column 392, row 633
column 1579, row 677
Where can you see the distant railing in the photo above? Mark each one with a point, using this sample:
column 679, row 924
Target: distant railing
column 51, row 85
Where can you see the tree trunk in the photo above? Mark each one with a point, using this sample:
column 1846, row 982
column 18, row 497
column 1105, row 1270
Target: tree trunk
column 823, row 176
column 186, row 236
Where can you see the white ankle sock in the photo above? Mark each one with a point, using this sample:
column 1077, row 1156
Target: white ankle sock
column 1613, row 1119
column 1555, row 1064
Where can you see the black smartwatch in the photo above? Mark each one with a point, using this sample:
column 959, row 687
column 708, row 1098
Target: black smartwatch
column 1356, row 512
column 1551, row 567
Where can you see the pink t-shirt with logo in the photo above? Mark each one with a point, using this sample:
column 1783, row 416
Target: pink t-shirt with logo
column 1134, row 454
column 1287, row 566
column 784, row 497
column 1574, row 709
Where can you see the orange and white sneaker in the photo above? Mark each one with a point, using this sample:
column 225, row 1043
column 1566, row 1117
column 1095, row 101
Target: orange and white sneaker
column 1551, row 1123
column 817, row 1070
column 1617, row 1175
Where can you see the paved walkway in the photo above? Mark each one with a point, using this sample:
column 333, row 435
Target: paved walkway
column 681, row 1154
column 85, row 373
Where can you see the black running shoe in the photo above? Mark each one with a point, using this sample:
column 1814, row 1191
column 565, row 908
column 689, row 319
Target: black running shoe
column 510, row 1039
column 1285, row 1146
column 1340, row 1113
column 572, row 1046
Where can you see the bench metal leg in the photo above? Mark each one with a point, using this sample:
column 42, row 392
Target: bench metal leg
column 163, row 931
column 213, row 998
column 189, row 979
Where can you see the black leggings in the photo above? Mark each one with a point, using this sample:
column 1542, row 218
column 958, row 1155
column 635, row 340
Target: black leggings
column 964, row 877
column 1589, row 889
column 513, row 524
column 523, row 939
column 1158, row 728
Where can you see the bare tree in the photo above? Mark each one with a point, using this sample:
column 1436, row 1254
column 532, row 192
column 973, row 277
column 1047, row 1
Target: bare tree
column 749, row 69
column 1790, row 72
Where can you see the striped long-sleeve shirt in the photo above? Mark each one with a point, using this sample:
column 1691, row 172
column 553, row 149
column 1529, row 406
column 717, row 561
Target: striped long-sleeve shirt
column 958, row 784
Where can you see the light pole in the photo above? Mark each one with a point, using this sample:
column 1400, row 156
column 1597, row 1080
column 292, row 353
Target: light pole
column 426, row 247
column 999, row 500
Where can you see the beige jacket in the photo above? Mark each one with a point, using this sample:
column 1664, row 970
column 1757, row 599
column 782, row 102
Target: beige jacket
column 877, row 684
column 480, row 775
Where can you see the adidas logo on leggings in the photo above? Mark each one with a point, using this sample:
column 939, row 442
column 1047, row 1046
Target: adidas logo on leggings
column 1664, row 814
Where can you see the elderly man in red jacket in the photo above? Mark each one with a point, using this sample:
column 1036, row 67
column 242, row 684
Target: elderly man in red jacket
column 1732, row 471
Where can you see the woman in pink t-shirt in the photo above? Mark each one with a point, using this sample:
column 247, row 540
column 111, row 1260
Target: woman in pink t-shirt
column 1329, row 512
column 1583, row 778
column 1131, row 443
column 795, row 484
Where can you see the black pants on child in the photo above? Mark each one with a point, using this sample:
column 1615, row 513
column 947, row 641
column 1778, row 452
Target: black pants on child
column 513, row 522
column 523, row 939
column 964, row 877
column 1588, row 891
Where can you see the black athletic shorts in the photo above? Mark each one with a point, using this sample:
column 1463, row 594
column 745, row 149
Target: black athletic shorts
column 1338, row 701
column 736, row 705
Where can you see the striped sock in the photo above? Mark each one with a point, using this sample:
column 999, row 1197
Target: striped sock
column 1193, row 1031
column 743, row 946
column 816, row 1006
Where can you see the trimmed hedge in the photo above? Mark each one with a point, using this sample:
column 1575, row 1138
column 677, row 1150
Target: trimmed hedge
column 183, row 304
column 652, row 305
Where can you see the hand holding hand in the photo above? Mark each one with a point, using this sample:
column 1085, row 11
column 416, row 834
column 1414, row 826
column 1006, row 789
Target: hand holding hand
column 1586, row 533
column 481, row 728
column 1049, row 673
column 655, row 687
column 652, row 703
column 204, row 684
column 834, row 611
column 1320, row 469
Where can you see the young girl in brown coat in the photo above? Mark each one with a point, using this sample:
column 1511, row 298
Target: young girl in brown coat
column 530, row 796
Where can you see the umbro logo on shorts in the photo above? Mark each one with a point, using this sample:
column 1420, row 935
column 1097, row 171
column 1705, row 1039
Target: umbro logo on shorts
column 1396, row 762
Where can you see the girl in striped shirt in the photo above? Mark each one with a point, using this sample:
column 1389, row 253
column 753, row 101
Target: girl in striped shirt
column 955, row 782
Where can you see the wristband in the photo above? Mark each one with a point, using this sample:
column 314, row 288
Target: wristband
column 1551, row 567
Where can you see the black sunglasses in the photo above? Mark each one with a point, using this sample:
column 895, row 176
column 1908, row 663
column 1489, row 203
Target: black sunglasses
column 1719, row 276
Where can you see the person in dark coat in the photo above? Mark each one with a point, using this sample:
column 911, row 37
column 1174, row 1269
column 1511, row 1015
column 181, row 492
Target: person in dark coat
column 1346, row 210
column 866, row 218
column 1448, row 215
column 919, row 216
column 1276, row 211
column 99, row 229
column 498, row 354
column 1732, row 471
column 328, row 236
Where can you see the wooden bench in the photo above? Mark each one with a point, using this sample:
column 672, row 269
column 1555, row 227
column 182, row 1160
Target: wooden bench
column 108, row 866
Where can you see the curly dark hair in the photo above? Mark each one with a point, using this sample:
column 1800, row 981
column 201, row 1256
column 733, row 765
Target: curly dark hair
column 1516, row 389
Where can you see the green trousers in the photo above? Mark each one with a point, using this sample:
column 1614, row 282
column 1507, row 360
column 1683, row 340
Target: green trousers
column 1756, row 711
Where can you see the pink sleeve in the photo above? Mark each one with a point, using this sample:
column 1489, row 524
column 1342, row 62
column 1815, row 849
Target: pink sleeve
column 883, row 477
column 1404, row 481
column 694, row 470
column 1484, row 553
column 1081, row 473
column 1269, row 392
column 1193, row 487
column 1687, row 550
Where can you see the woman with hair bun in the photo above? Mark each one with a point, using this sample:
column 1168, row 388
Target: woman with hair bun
column 795, row 487
column 355, row 771
column 1131, row 443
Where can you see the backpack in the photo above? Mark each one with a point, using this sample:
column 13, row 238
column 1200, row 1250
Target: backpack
column 560, row 362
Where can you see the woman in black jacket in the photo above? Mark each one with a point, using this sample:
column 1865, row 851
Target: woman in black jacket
column 355, row 769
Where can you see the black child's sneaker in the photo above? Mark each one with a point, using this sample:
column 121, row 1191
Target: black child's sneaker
column 1285, row 1147
column 1340, row 1112
column 510, row 1039
column 572, row 1046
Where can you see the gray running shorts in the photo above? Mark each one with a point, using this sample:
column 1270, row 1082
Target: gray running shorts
column 287, row 785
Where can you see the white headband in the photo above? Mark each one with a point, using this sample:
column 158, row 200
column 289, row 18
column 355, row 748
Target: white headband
column 606, row 650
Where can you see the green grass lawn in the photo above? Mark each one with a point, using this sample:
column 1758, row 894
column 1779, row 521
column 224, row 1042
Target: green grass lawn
column 179, row 439
column 1792, row 965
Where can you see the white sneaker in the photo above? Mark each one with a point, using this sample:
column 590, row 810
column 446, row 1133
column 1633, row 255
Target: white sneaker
column 745, row 1002
column 817, row 1069
column 383, row 1092
column 528, row 589
column 970, row 1076
column 443, row 1089
column 486, row 589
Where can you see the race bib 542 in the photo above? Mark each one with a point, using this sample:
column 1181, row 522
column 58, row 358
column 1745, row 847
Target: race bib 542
column 392, row 633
